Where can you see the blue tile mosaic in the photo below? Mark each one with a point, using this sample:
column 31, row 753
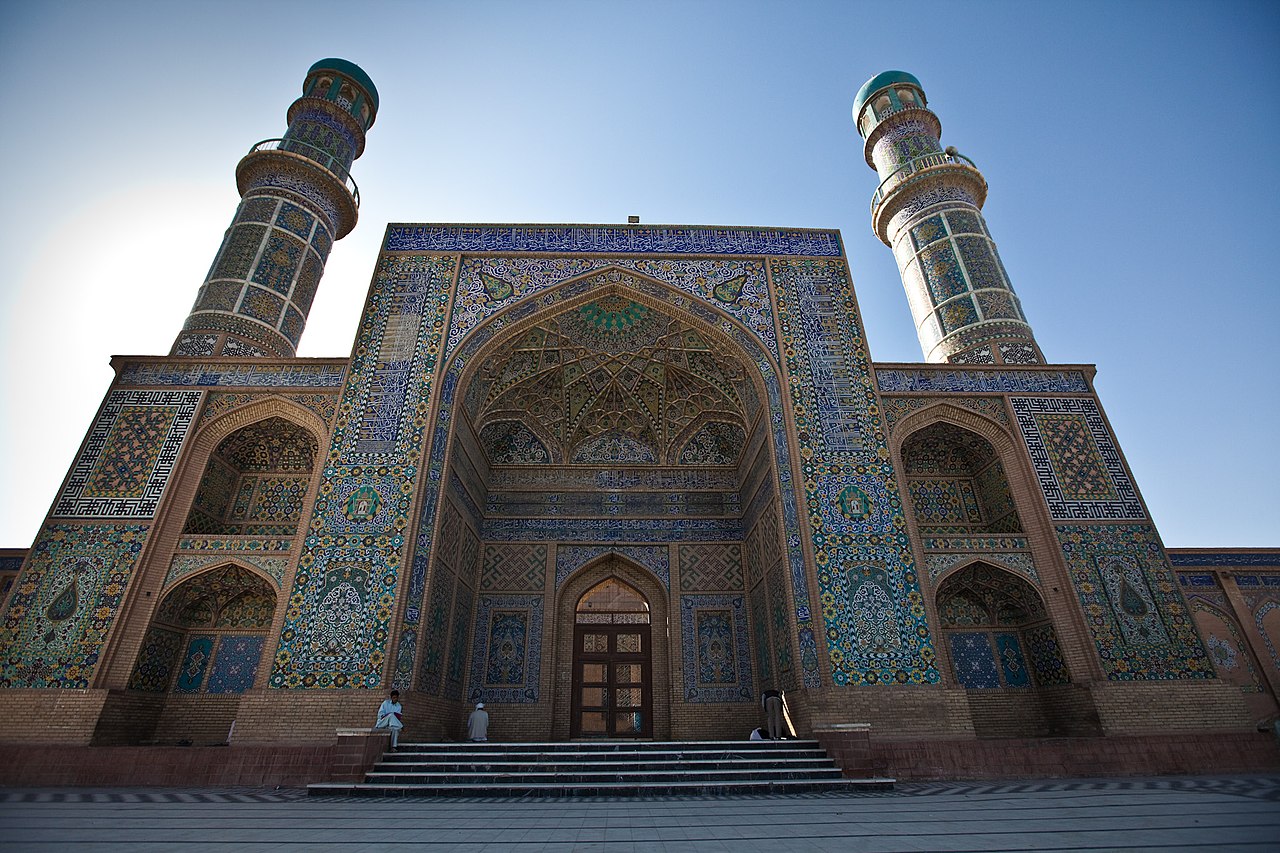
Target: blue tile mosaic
column 1048, row 381
column 604, row 239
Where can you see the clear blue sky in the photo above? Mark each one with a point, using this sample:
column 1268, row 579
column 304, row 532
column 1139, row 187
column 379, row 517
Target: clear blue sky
column 1130, row 148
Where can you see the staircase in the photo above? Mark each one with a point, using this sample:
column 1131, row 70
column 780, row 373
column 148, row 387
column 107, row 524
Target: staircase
column 602, row 769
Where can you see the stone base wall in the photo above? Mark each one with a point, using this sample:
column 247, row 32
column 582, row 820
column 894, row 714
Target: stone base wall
column 1059, row 758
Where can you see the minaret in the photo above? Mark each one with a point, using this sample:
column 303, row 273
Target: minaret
column 928, row 209
column 297, row 197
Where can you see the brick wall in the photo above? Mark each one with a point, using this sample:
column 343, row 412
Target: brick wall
column 708, row 721
column 128, row 717
column 200, row 719
column 1069, row 711
column 1008, row 713
column 131, row 766
column 899, row 711
column 273, row 716
column 1170, row 706
column 49, row 716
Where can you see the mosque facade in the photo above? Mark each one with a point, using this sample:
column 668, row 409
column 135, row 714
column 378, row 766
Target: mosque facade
column 615, row 481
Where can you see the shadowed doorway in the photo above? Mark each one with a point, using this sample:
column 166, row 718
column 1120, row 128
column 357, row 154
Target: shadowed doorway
column 612, row 672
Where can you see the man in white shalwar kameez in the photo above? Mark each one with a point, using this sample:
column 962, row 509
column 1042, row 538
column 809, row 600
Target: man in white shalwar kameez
column 478, row 724
column 391, row 717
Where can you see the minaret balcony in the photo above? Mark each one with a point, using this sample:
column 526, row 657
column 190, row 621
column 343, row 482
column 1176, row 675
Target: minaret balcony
column 936, row 168
column 318, row 156
column 916, row 166
column 328, row 172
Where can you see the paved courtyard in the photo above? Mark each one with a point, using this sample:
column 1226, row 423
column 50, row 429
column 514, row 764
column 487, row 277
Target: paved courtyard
column 1159, row 814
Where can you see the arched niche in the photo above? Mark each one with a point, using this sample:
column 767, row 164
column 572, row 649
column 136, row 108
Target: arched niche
column 208, row 634
column 256, row 481
column 997, row 631
column 956, row 483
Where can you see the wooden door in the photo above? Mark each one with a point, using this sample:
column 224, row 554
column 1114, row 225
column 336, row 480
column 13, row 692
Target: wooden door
column 612, row 682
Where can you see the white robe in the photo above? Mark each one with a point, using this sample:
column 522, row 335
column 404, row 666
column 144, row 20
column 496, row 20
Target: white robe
column 389, row 715
column 478, row 725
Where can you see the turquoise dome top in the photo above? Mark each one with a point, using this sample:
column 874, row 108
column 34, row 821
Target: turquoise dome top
column 878, row 82
column 350, row 69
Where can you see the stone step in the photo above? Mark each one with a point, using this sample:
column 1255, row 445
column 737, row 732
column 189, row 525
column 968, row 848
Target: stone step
column 535, row 776
column 598, row 768
column 688, row 788
column 505, row 764
column 600, row 746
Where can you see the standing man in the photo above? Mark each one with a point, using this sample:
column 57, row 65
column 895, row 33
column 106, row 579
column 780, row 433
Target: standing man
column 391, row 717
column 772, row 700
column 478, row 724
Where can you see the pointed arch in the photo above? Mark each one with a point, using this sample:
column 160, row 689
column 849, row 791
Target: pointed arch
column 176, row 578
column 626, row 570
column 997, row 629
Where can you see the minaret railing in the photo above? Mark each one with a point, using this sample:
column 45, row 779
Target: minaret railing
column 316, row 155
column 916, row 165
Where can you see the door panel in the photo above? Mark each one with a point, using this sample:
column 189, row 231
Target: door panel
column 612, row 685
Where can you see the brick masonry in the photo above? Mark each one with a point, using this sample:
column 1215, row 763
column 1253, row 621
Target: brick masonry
column 344, row 758
column 1054, row 758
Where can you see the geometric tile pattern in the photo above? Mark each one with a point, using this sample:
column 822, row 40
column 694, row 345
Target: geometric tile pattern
column 59, row 615
column 1131, row 603
column 220, row 403
column 1210, row 558
column 340, row 609
column 711, row 567
column 1013, row 667
column 1046, row 656
column 1075, row 460
column 520, row 567
column 938, row 564
column 235, row 664
column 896, row 408
column 612, row 381
column 715, row 652
column 945, row 501
column 506, row 652
column 273, row 567
column 655, row 558
column 156, row 660
column 194, row 663
column 1223, row 638
column 872, row 608
column 760, row 626
column 982, row 595
column 227, row 597
column 457, row 660
column 436, row 633
column 974, row 660
column 479, row 280
column 129, row 454
column 545, row 287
